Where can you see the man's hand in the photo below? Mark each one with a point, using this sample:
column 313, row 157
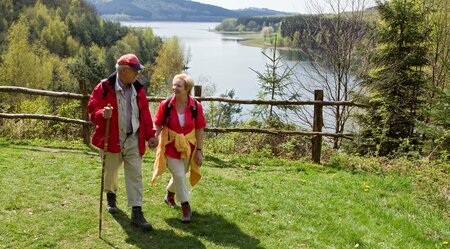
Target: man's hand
column 152, row 142
column 107, row 112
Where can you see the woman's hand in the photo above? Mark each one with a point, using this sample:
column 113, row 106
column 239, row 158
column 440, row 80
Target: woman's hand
column 199, row 157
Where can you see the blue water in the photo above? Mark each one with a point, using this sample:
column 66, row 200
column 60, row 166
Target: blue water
column 216, row 61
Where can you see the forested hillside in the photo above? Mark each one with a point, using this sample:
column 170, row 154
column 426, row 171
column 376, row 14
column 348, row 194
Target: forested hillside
column 62, row 46
column 170, row 10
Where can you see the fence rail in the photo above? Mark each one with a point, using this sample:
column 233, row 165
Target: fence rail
column 45, row 117
column 220, row 130
column 316, row 134
column 13, row 89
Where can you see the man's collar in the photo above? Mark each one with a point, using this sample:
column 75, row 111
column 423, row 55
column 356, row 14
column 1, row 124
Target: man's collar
column 119, row 85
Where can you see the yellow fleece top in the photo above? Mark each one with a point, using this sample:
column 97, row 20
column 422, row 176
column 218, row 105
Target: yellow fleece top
column 183, row 145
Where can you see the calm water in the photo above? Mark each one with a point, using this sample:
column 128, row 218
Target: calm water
column 215, row 59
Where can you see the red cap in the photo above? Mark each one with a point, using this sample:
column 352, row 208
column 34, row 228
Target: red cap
column 130, row 60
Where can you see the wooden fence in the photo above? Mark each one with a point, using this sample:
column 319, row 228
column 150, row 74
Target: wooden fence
column 316, row 133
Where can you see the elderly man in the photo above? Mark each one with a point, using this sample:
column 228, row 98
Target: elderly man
column 122, row 98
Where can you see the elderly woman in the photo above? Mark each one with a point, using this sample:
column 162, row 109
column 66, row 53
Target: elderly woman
column 179, row 125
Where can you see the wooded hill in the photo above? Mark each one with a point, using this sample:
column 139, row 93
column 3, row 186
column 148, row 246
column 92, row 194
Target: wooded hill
column 56, row 45
column 171, row 10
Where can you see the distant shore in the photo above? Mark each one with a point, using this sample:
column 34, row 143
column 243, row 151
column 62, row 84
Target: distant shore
column 253, row 39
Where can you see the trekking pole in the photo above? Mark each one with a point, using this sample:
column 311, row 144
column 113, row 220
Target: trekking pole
column 105, row 149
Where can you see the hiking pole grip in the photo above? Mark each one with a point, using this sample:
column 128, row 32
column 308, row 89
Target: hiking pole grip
column 105, row 149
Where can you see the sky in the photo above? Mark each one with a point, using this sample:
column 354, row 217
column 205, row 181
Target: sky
column 291, row 6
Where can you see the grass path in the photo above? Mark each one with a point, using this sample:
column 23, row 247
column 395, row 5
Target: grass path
column 49, row 199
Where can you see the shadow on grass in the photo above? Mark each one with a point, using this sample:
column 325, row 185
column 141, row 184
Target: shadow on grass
column 90, row 150
column 155, row 238
column 219, row 163
column 215, row 228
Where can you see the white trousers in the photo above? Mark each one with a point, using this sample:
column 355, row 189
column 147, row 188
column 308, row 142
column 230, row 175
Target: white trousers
column 132, row 164
column 178, row 184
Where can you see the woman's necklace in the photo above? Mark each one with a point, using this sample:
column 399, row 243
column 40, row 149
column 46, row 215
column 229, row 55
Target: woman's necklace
column 181, row 107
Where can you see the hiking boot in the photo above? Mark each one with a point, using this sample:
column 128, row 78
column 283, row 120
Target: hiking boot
column 111, row 205
column 138, row 220
column 186, row 212
column 170, row 199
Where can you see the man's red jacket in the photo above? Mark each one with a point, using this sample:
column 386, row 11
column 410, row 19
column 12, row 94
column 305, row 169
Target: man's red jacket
column 102, row 95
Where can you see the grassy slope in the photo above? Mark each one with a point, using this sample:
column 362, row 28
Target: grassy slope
column 49, row 198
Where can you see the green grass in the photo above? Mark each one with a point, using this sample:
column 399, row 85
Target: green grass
column 49, row 198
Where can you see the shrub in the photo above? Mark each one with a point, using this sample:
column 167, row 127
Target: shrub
column 432, row 182
column 265, row 145
column 27, row 128
column 35, row 128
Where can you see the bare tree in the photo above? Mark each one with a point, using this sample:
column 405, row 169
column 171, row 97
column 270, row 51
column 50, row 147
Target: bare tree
column 440, row 40
column 329, row 45
column 439, row 58
column 187, row 58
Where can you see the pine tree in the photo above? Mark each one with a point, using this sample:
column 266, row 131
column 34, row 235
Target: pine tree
column 274, row 86
column 398, row 79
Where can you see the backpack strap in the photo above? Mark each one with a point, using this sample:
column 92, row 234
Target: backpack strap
column 194, row 110
column 167, row 109
column 104, row 87
column 111, row 80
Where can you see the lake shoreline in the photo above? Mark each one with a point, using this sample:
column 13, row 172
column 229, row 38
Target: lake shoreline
column 222, row 62
column 252, row 39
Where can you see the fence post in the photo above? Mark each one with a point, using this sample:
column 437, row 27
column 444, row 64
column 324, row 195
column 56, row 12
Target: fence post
column 197, row 91
column 86, row 131
column 317, row 127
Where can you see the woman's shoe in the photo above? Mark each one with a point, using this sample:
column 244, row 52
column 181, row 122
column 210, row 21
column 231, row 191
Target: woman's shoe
column 186, row 212
column 170, row 199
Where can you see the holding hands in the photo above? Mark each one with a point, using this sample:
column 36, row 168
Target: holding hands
column 107, row 113
column 152, row 142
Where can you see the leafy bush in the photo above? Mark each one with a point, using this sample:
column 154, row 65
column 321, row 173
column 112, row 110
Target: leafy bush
column 62, row 130
column 432, row 181
column 338, row 161
column 224, row 144
column 27, row 128
column 263, row 145
column 35, row 128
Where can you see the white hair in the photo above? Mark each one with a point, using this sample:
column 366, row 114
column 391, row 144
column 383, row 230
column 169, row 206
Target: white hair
column 119, row 67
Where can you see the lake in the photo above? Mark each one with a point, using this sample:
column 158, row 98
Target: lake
column 219, row 60
column 215, row 59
